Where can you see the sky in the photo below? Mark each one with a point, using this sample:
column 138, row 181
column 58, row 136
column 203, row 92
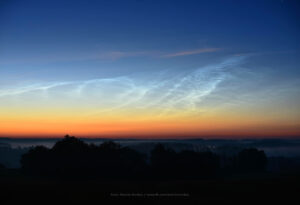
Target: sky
column 150, row 69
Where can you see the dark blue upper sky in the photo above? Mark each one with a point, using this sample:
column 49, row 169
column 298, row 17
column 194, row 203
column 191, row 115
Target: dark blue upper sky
column 130, row 36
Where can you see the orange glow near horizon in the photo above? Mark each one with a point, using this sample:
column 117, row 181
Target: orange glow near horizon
column 143, row 125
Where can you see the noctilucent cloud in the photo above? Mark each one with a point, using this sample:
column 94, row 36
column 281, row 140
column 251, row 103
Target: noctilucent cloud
column 157, row 69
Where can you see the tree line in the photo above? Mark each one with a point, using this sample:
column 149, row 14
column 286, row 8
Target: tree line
column 71, row 157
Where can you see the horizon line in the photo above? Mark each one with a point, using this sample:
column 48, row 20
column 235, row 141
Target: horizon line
column 155, row 138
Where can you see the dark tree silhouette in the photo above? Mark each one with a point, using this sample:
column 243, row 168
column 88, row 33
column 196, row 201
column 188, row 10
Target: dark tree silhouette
column 251, row 160
column 162, row 161
column 186, row 164
column 36, row 161
column 198, row 164
column 71, row 157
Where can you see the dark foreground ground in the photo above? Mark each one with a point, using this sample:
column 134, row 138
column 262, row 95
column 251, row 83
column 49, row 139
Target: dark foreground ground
column 262, row 189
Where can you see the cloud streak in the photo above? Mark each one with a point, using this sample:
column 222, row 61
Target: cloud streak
column 99, row 55
column 191, row 52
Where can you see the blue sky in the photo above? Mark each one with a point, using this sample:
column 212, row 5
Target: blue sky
column 201, row 53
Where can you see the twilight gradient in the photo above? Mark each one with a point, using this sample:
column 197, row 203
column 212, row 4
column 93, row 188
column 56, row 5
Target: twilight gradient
column 150, row 69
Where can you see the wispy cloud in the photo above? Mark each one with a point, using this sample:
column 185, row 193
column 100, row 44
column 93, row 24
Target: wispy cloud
column 191, row 52
column 168, row 92
column 115, row 55
column 110, row 55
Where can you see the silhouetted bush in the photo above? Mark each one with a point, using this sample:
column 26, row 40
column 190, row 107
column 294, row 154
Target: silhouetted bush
column 186, row 164
column 2, row 166
column 251, row 160
column 36, row 161
column 198, row 164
